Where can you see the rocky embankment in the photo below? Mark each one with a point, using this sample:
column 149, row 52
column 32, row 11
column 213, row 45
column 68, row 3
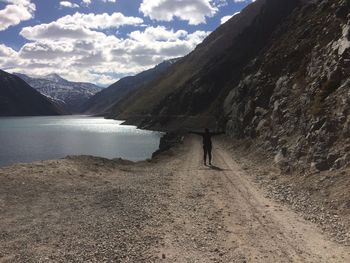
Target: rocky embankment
column 319, row 197
column 294, row 98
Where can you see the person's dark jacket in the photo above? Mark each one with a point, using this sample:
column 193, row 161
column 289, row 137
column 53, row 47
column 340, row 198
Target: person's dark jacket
column 207, row 137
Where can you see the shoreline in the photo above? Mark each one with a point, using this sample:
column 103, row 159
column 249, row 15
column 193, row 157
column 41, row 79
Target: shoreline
column 167, row 141
column 38, row 150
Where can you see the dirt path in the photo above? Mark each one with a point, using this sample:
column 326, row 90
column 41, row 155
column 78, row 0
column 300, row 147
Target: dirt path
column 173, row 209
column 220, row 216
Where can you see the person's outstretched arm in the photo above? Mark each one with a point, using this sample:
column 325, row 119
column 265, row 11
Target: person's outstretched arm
column 198, row 133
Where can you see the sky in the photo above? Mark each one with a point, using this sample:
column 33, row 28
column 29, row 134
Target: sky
column 101, row 41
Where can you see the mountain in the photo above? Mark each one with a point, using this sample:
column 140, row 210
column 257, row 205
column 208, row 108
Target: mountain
column 276, row 75
column 17, row 98
column 102, row 102
column 191, row 93
column 70, row 95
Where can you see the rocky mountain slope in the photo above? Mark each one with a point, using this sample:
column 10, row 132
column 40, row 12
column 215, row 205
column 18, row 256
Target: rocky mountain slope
column 276, row 74
column 70, row 95
column 102, row 102
column 17, row 98
column 294, row 96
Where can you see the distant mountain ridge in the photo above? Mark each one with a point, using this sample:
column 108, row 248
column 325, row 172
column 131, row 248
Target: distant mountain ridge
column 17, row 98
column 104, row 101
column 70, row 95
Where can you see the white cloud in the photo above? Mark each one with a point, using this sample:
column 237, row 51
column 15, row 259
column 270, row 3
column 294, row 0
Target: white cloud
column 69, row 4
column 88, row 2
column 226, row 18
column 6, row 51
column 155, row 44
column 157, row 34
column 47, row 51
column 58, row 31
column 8, row 57
column 100, row 21
column 219, row 3
column 73, row 48
column 15, row 12
column 78, row 26
column 193, row 11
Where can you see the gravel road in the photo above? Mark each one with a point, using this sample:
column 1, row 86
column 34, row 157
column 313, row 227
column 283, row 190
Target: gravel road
column 170, row 209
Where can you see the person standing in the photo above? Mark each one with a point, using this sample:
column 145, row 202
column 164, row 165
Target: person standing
column 207, row 143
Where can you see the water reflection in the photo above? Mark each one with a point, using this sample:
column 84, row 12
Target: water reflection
column 26, row 139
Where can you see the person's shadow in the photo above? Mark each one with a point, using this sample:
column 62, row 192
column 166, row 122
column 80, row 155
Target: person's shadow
column 216, row 168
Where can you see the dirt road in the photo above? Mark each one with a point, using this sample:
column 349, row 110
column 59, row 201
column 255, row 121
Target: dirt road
column 220, row 216
column 173, row 209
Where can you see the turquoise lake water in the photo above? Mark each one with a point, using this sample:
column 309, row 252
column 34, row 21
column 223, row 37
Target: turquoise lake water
column 28, row 139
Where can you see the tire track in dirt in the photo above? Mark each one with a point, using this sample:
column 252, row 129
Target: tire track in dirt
column 219, row 215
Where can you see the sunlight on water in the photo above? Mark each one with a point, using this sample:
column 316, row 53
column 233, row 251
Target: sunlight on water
column 26, row 139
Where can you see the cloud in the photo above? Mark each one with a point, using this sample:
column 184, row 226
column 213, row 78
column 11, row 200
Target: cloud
column 74, row 48
column 155, row 44
column 219, row 3
column 6, row 51
column 100, row 21
column 158, row 33
column 15, row 12
column 226, row 18
column 47, row 51
column 8, row 57
column 88, row 2
column 193, row 11
column 78, row 26
column 69, row 4
column 58, row 31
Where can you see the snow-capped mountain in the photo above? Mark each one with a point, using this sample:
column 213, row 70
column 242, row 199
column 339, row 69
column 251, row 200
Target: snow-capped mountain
column 17, row 98
column 71, row 95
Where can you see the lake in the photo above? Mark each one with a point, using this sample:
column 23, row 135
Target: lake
column 28, row 139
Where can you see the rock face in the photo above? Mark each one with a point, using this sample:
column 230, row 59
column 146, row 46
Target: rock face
column 17, row 98
column 294, row 96
column 70, row 95
column 102, row 102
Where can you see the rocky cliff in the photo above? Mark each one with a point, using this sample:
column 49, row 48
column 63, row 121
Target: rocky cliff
column 17, row 98
column 294, row 96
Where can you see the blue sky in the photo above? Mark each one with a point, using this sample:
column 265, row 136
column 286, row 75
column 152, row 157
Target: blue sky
column 101, row 41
